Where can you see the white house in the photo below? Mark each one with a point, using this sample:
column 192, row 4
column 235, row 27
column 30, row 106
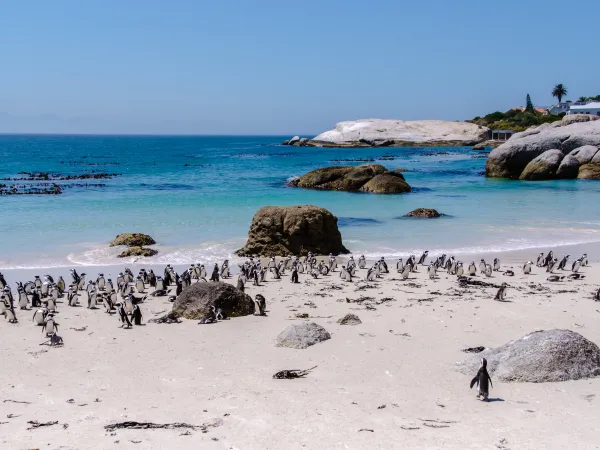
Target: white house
column 589, row 108
column 562, row 107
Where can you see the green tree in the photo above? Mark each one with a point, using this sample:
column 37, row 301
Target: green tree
column 529, row 104
column 559, row 91
column 582, row 99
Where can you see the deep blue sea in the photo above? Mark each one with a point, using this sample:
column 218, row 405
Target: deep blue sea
column 196, row 196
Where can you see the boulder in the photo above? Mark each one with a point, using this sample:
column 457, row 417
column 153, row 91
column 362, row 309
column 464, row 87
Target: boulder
column 574, row 118
column 132, row 240
column 373, row 178
column 542, row 356
column 293, row 140
column 137, row 251
column 379, row 132
column 509, row 160
column 350, row 319
column 543, row 167
column 568, row 169
column 424, row 213
column 302, row 335
column 297, row 230
column 584, row 154
column 197, row 300
column 589, row 172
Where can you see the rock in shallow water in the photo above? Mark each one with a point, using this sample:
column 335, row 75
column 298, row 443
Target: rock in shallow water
column 302, row 335
column 541, row 356
column 297, row 230
column 543, row 167
column 132, row 240
column 424, row 213
column 137, row 251
column 589, row 172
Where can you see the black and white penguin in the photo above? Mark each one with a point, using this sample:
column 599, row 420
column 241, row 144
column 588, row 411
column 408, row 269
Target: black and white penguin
column 123, row 316
column 555, row 278
column 472, row 270
column 215, row 273
column 482, row 265
column 241, row 281
column 423, row 257
column 481, row 379
column 139, row 284
column 509, row 273
column 2, row 281
column 496, row 265
column 362, row 262
column 23, row 299
column 61, row 285
column 552, row 265
column 383, row 265
column 549, row 258
column 576, row 265
column 406, row 271
column 540, row 260
column 501, row 294
column 260, row 305
column 399, row 266
column 563, row 263
column 136, row 315
column 101, row 282
column 584, row 260
column 294, row 278
column 460, row 270
column 431, row 271
column 50, row 326
column 488, row 270
column 597, row 297
column 527, row 267
column 576, row 276
column 39, row 316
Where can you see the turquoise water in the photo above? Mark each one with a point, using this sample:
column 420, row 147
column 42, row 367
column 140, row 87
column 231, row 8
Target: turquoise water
column 202, row 211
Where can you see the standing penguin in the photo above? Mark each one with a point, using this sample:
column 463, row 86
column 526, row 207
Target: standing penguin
column 460, row 270
column 2, row 281
column 563, row 263
column 423, row 257
column 240, row 283
column 527, row 267
column 139, row 285
column 123, row 316
column 60, row 284
column 488, row 270
column 482, row 378
column 362, row 262
column 260, row 305
column 294, row 277
column 215, row 273
column 472, row 269
column 136, row 316
column 399, row 266
column 496, row 265
column 501, row 294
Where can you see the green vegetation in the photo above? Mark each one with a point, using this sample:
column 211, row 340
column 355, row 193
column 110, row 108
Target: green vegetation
column 514, row 119
column 559, row 91
column 589, row 99
column 529, row 104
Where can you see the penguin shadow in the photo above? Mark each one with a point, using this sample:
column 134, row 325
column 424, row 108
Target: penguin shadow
column 493, row 400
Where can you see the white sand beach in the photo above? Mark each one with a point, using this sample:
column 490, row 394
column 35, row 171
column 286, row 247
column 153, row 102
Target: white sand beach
column 389, row 382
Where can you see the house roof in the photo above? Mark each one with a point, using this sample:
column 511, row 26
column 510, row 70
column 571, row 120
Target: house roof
column 592, row 105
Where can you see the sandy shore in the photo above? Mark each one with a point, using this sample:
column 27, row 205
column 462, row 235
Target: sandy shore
column 377, row 385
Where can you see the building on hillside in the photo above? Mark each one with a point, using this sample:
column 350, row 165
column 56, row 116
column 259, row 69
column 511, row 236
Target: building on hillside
column 562, row 107
column 585, row 108
column 501, row 135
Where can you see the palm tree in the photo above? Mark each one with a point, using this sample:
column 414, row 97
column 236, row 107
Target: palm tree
column 559, row 91
column 582, row 99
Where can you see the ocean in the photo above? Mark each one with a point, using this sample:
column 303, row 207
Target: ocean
column 196, row 195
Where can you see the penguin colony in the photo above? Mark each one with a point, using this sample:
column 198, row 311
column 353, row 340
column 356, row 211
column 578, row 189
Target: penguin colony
column 127, row 292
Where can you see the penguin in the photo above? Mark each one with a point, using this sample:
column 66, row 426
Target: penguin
column 383, row 265
column 597, row 297
column 431, row 270
column 81, row 285
column 151, row 279
column 563, row 263
column 139, row 285
column 324, row 269
column 481, row 379
column 399, row 266
column 496, row 265
column 2, row 281
column 75, row 277
column 37, row 282
column 362, row 262
column 123, row 316
column 36, row 300
column 109, row 287
column 159, row 284
column 215, row 273
column 472, row 270
column 460, row 270
column 423, row 257
column 260, row 305
column 219, row 314
column 406, row 271
column 509, row 273
column 39, row 316
column 128, row 305
column 482, row 266
column 527, row 267
column 45, row 287
column 551, row 265
column 72, row 296
column 136, row 315
column 50, row 326
column 60, row 284
column 584, row 260
column 101, row 282
column 294, row 278
column 240, row 283
column 51, row 305
column 225, row 270
column 92, row 298
column 488, row 270
column 555, row 278
column 23, row 299
column 371, row 275
column 501, row 294
column 576, row 265
column 576, row 276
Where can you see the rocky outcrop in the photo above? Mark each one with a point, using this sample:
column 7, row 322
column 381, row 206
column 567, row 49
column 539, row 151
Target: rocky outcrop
column 387, row 133
column 137, row 251
column 542, row 356
column 296, row 141
column 589, row 172
column 510, row 159
column 485, row 144
column 574, row 118
column 543, row 167
column 424, row 213
column 197, row 301
column 568, row 169
column 372, row 178
column 132, row 240
column 302, row 335
column 297, row 230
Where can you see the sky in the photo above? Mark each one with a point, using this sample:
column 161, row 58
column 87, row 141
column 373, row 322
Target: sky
column 283, row 67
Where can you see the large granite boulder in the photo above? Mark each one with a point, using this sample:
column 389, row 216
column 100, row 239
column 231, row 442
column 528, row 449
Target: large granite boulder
column 589, row 172
column 542, row 356
column 509, row 160
column 584, row 154
column 284, row 230
column 137, row 251
column 424, row 213
column 302, row 335
column 543, row 167
column 379, row 132
column 574, row 118
column 197, row 301
column 373, row 178
column 132, row 240
column 568, row 169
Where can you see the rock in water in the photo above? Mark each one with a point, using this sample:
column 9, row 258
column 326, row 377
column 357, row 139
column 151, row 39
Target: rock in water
column 589, row 172
column 378, row 132
column 302, row 335
column 372, row 178
column 509, row 160
column 132, row 240
column 585, row 154
column 543, row 167
column 296, row 230
column 197, row 300
column 137, row 251
column 542, row 356
column 568, row 169
column 424, row 213
column 350, row 319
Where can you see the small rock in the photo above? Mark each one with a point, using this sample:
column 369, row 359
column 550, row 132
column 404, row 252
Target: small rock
column 302, row 335
column 349, row 319
column 424, row 213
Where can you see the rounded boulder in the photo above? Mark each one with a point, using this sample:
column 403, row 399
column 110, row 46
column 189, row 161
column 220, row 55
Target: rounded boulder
column 197, row 301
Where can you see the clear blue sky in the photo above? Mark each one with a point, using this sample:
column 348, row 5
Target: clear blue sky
column 283, row 67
